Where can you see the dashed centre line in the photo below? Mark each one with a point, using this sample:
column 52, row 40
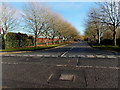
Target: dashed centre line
column 66, row 52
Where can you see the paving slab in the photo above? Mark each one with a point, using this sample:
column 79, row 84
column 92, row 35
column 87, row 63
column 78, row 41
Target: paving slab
column 67, row 77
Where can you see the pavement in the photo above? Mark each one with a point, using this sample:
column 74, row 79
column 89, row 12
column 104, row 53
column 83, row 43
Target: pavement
column 75, row 65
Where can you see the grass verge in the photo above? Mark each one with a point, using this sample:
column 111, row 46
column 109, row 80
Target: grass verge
column 31, row 48
column 105, row 47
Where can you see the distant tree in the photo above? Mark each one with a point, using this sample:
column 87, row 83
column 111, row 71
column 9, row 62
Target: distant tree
column 107, row 35
column 90, row 34
column 90, row 31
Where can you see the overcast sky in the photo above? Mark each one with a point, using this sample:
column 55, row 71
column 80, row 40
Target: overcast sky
column 73, row 12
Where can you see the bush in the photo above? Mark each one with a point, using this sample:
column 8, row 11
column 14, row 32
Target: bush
column 118, row 41
column 16, row 40
column 107, row 42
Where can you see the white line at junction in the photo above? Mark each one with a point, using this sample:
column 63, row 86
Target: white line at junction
column 63, row 55
column 98, row 67
column 101, row 67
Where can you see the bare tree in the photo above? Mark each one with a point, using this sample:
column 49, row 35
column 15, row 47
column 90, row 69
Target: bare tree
column 68, row 31
column 110, row 15
column 8, row 21
column 96, row 22
column 43, row 22
column 33, row 17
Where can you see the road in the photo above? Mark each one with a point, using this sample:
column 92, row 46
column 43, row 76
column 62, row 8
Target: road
column 72, row 66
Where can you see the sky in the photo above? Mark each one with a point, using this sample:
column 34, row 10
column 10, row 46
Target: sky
column 73, row 12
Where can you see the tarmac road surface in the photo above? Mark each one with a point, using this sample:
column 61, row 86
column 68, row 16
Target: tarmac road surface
column 72, row 66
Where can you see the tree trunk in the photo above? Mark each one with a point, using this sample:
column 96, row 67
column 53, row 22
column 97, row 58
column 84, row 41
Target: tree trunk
column 19, row 43
column 53, row 40
column 46, row 41
column 94, row 37
column 35, row 43
column 4, row 41
column 99, row 40
column 99, row 37
column 114, row 37
column 59, row 40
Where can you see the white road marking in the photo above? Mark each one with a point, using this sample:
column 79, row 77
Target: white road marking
column 64, row 56
column 25, row 55
column 6, row 55
column 61, row 65
column 64, row 53
column 31, row 55
column 77, row 61
column 71, row 48
column 46, row 55
column 12, row 55
column 100, row 56
column 39, row 55
column 18, row 55
column 9, row 63
column 54, row 55
column 81, row 55
column 98, row 67
column 49, row 77
column 71, row 56
column 90, row 56
column 111, row 56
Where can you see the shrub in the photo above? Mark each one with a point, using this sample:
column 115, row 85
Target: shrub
column 107, row 42
column 16, row 40
column 118, row 41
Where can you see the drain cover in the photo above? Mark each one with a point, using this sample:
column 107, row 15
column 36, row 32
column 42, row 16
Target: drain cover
column 66, row 77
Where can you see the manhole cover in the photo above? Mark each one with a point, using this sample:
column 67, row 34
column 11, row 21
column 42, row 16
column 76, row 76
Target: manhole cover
column 66, row 77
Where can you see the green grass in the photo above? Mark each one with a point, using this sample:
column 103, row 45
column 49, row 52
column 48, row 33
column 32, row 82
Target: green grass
column 105, row 47
column 31, row 48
